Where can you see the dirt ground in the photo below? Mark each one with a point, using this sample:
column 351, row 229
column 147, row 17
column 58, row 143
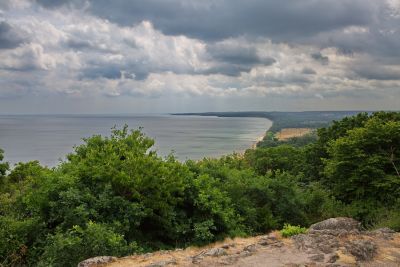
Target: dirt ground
column 287, row 133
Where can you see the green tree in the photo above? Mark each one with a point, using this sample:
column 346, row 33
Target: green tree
column 271, row 159
column 3, row 167
column 364, row 164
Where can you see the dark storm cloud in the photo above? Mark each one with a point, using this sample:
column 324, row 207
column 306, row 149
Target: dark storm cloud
column 91, row 46
column 378, row 73
column 109, row 72
column 308, row 71
column 227, row 69
column 228, row 18
column 234, row 55
column 60, row 3
column 79, row 44
column 238, row 55
column 9, row 38
column 52, row 3
column 233, row 59
column 324, row 60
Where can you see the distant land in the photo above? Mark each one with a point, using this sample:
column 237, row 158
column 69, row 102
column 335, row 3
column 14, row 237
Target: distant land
column 302, row 119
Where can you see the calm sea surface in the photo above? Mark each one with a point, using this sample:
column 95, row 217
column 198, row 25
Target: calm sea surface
column 48, row 138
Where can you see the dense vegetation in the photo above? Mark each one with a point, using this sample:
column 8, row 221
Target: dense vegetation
column 115, row 196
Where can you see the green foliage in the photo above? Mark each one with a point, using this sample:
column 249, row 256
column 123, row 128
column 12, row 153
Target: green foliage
column 23, row 171
column 319, row 204
column 16, row 238
column 80, row 243
column 271, row 159
column 388, row 218
column 364, row 163
column 291, row 230
column 3, row 167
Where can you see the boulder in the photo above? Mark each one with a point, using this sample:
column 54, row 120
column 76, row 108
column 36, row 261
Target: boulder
column 96, row 260
column 336, row 226
column 251, row 248
column 215, row 252
column 162, row 263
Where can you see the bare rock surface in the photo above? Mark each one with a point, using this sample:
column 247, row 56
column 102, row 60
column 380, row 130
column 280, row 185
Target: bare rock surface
column 96, row 261
column 335, row 226
column 336, row 242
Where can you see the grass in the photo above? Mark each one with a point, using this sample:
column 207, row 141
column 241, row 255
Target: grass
column 291, row 230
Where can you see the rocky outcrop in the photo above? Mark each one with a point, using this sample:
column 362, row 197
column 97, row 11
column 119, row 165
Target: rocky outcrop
column 336, row 236
column 336, row 226
column 96, row 261
column 328, row 239
column 333, row 242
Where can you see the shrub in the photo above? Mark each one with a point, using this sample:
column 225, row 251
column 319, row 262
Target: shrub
column 68, row 249
column 290, row 230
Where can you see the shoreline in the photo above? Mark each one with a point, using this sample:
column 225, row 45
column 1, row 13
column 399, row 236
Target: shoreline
column 258, row 140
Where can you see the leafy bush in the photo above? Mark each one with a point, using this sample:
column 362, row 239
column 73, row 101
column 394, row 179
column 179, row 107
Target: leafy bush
column 69, row 248
column 290, row 230
column 389, row 219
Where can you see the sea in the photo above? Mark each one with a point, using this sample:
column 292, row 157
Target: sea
column 49, row 138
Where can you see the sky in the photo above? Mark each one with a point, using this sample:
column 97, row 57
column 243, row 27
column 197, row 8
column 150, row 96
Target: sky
column 157, row 56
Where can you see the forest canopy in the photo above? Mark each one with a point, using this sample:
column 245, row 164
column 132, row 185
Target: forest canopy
column 115, row 196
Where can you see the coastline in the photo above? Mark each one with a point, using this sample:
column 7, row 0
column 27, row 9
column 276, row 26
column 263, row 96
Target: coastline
column 258, row 140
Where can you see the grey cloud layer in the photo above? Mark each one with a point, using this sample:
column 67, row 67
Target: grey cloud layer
column 9, row 37
column 229, row 18
column 186, row 48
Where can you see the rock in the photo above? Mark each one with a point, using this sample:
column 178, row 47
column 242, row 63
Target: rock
column 385, row 233
column 317, row 257
column 316, row 243
column 336, row 226
column 96, row 260
column 227, row 246
column 197, row 259
column 268, row 240
column 333, row 258
column 162, row 263
column 277, row 244
column 384, row 230
column 245, row 253
column 363, row 250
column 251, row 248
column 264, row 242
column 230, row 260
column 215, row 252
